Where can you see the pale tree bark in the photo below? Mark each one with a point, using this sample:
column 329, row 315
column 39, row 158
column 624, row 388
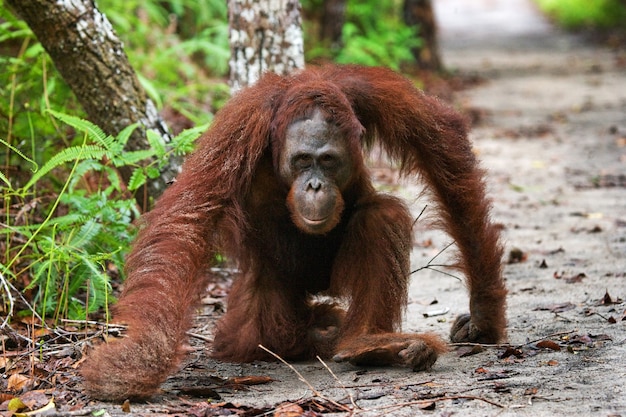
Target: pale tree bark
column 265, row 35
column 91, row 59
column 420, row 13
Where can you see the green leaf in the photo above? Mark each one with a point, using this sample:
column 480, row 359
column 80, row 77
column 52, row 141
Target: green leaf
column 156, row 143
column 124, row 135
column 93, row 131
column 137, row 179
column 69, row 154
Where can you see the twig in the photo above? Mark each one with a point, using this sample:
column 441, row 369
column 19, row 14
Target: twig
column 308, row 384
column 547, row 337
column 419, row 215
column 485, row 345
column 5, row 286
column 439, row 399
column 293, row 369
column 431, row 266
column 386, row 384
column 199, row 336
column 27, row 304
column 339, row 382
column 509, row 345
column 97, row 323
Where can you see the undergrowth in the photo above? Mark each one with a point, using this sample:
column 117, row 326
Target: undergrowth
column 65, row 246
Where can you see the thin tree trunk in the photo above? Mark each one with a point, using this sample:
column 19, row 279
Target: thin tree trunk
column 91, row 59
column 332, row 21
column 265, row 35
column 420, row 13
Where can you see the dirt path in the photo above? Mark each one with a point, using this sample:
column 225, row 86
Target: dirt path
column 552, row 134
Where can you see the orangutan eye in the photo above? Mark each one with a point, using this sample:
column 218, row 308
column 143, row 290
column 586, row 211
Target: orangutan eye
column 302, row 161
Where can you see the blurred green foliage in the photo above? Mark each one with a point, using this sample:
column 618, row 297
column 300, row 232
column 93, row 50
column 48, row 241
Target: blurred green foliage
column 586, row 13
column 373, row 34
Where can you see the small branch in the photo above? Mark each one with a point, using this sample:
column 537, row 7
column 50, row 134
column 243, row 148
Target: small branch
column 509, row 345
column 419, row 215
column 431, row 266
column 5, row 287
column 200, row 337
column 439, row 399
column 303, row 379
column 339, row 382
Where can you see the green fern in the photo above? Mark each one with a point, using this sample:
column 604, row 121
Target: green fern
column 67, row 155
column 95, row 133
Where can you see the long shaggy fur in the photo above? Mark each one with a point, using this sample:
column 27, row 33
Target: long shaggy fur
column 228, row 199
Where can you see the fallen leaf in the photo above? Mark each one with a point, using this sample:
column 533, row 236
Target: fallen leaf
column 427, row 406
column 574, row 279
column 16, row 404
column 465, row 351
column 549, row 344
column 511, row 351
column 17, row 382
column 35, row 399
column 289, row 410
column 491, row 375
column 501, row 387
column 49, row 408
column 608, row 300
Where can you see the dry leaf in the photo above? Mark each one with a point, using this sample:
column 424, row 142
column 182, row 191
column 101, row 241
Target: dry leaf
column 289, row 410
column 16, row 404
column 17, row 382
column 511, row 351
column 464, row 351
column 549, row 344
column 427, row 406
column 49, row 408
column 126, row 406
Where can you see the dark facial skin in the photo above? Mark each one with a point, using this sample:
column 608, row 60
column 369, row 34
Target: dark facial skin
column 318, row 165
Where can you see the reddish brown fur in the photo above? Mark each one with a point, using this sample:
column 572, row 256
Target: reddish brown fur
column 228, row 199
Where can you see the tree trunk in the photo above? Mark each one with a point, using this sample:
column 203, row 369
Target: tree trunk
column 332, row 21
column 91, row 59
column 420, row 13
column 265, row 35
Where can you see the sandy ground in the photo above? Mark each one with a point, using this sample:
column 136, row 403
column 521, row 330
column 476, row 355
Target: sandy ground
column 552, row 135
